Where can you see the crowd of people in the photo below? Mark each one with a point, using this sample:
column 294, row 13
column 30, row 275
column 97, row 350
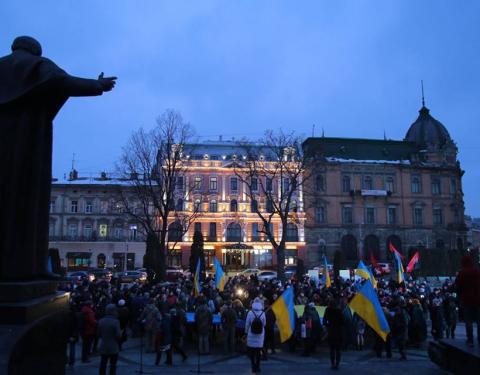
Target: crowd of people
column 167, row 315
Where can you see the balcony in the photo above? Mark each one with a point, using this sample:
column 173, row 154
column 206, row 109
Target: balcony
column 94, row 239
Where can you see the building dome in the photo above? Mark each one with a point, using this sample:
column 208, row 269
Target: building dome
column 426, row 131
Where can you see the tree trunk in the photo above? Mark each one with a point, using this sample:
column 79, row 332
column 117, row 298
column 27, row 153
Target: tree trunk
column 281, row 261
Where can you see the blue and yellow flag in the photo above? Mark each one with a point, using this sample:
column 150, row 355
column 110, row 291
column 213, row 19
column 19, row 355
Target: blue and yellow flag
column 220, row 276
column 326, row 274
column 399, row 268
column 284, row 311
column 363, row 271
column 366, row 305
column 196, row 280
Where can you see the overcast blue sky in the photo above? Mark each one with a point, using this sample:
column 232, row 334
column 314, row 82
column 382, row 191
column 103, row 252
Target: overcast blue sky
column 237, row 68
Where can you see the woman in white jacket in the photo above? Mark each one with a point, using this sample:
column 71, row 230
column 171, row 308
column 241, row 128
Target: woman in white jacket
column 255, row 340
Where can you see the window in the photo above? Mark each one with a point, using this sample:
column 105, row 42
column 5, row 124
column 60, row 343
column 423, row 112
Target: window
column 418, row 215
column 104, row 207
column 213, row 207
column 197, row 205
column 253, row 205
column 197, row 183
column 87, row 231
column 368, row 183
column 416, row 185
column 255, row 232
column 175, row 232
column 52, row 206
column 133, row 232
column 319, row 183
column 179, row 205
column 269, row 206
column 268, row 184
column 437, row 216
column 212, row 232
column 51, row 229
column 73, row 206
column 254, row 184
column 118, row 231
column 72, row 231
column 213, row 183
column 197, row 227
column 294, row 206
column 233, row 205
column 453, row 186
column 391, row 215
column 233, row 184
column 234, row 232
column 292, row 232
column 103, row 230
column 390, row 184
column 286, row 185
column 88, row 207
column 370, row 215
column 347, row 215
column 320, row 214
column 346, row 184
column 436, row 186
column 179, row 183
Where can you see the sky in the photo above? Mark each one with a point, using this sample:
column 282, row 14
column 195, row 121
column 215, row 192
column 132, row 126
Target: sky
column 236, row 68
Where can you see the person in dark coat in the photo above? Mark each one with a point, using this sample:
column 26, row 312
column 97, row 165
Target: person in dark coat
column 418, row 325
column 468, row 286
column 450, row 312
column 380, row 344
column 178, row 324
column 333, row 319
column 33, row 89
column 124, row 319
column 109, row 334
column 88, row 330
column 163, row 342
column 269, row 330
column 400, row 327
column 229, row 319
column 203, row 321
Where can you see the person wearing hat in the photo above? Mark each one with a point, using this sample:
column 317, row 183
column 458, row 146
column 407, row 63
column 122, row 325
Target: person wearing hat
column 109, row 333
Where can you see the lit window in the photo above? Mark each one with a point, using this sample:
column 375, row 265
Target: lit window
column 133, row 232
column 233, row 205
column 213, row 183
column 103, row 230
column 213, row 206
column 197, row 184
column 197, row 205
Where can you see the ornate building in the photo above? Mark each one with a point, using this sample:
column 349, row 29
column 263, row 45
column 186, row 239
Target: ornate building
column 366, row 193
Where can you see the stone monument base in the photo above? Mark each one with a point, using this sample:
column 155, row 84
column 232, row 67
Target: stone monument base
column 34, row 320
column 455, row 356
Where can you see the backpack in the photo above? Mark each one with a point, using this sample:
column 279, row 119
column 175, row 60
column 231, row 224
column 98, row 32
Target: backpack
column 257, row 325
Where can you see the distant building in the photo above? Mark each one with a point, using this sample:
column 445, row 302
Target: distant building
column 366, row 193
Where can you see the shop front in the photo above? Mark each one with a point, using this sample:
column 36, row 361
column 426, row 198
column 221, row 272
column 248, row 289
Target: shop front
column 240, row 256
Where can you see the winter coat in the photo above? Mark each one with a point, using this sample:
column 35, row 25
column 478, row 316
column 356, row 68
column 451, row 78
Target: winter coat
column 400, row 325
column 123, row 316
column 229, row 318
column 450, row 311
column 164, row 334
column 255, row 340
column 89, row 324
column 468, row 283
column 110, row 334
column 203, row 320
column 151, row 316
column 333, row 319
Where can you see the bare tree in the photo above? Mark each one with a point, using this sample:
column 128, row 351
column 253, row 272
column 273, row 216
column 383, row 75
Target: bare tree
column 156, row 192
column 274, row 174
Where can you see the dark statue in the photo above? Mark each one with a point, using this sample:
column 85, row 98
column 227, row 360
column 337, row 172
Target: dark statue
column 32, row 91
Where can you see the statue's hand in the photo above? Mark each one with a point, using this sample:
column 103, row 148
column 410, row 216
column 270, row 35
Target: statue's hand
column 107, row 83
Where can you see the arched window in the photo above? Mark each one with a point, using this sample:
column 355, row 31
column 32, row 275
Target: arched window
column 269, row 205
column 349, row 247
column 233, row 205
column 292, row 232
column 294, row 206
column 101, row 261
column 253, row 205
column 234, row 232
column 319, row 183
column 213, row 206
column 371, row 245
column 175, row 232
column 197, row 206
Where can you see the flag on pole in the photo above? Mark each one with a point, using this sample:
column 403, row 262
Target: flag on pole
column 399, row 268
column 283, row 308
column 367, row 306
column 363, row 271
column 196, row 280
column 326, row 275
column 373, row 260
column 394, row 250
column 413, row 262
column 220, row 276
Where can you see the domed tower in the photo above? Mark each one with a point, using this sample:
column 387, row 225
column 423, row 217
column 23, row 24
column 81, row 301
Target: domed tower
column 432, row 138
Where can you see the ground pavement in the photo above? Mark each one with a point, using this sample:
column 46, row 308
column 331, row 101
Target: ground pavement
column 360, row 362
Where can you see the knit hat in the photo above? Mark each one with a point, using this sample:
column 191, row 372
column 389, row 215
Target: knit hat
column 121, row 302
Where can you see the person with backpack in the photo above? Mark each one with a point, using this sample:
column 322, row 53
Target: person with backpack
column 255, row 330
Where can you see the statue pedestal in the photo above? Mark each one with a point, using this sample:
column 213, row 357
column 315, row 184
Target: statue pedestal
column 34, row 320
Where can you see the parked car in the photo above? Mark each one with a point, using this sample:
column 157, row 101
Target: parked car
column 249, row 272
column 80, row 275
column 266, row 275
column 173, row 273
column 290, row 271
column 102, row 274
column 132, row 276
column 383, row 269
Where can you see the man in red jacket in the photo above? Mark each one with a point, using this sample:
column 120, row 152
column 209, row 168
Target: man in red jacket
column 468, row 286
column 88, row 329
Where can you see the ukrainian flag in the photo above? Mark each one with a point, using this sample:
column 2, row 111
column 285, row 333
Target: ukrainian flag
column 366, row 305
column 283, row 309
column 363, row 271
column 399, row 267
column 326, row 274
column 220, row 277
column 196, row 280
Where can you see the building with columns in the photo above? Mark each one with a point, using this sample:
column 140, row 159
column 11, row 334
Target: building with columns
column 365, row 194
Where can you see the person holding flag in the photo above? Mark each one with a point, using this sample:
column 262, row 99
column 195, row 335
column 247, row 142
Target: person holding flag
column 284, row 311
column 399, row 267
column 326, row 275
column 220, row 276
column 365, row 273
